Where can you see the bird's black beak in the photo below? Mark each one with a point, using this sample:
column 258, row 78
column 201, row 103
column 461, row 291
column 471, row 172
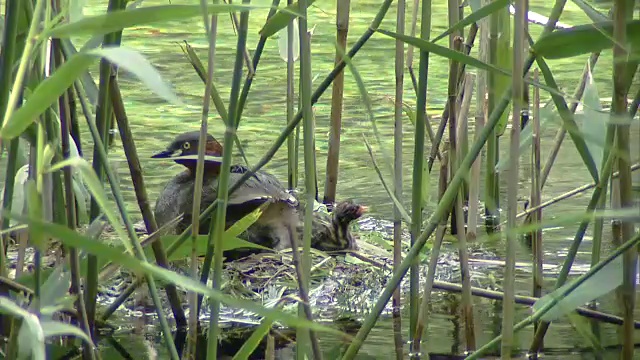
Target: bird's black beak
column 164, row 154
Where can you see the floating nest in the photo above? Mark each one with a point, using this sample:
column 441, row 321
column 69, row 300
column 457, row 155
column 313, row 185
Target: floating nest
column 343, row 287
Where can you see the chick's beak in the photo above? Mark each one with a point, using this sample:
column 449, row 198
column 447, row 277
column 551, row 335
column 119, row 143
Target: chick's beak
column 362, row 209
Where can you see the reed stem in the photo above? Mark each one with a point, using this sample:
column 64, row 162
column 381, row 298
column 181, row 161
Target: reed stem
column 418, row 173
column 536, row 195
column 218, row 225
column 333, row 155
column 623, row 12
column 508, row 313
column 133, row 160
column 397, row 180
column 304, row 268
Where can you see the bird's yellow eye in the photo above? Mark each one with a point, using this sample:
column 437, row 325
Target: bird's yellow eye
column 186, row 145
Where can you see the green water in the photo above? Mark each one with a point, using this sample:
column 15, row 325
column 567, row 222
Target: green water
column 154, row 123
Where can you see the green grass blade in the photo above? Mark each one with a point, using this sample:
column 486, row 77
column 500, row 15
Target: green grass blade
column 184, row 250
column 54, row 288
column 594, row 121
column 45, row 94
column 582, row 327
column 138, row 65
column 121, row 19
column 243, row 224
column 281, row 19
column 30, row 336
column 97, row 191
column 592, row 13
column 526, row 136
column 401, row 209
column 57, row 328
column 601, row 283
column 475, row 17
column 461, row 58
column 583, row 39
column 254, row 340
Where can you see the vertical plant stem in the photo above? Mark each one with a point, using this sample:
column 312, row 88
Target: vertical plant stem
column 423, row 316
column 593, row 58
column 467, row 300
column 491, row 191
column 598, row 226
column 12, row 17
column 623, row 11
column 437, row 138
column 605, row 174
column 508, row 311
column 310, row 171
column 74, row 262
column 457, row 212
column 103, row 121
column 333, row 155
column 223, row 183
column 481, row 114
column 244, row 93
column 536, row 196
column 115, row 190
column 397, row 168
column 210, row 27
column 292, row 161
column 418, row 163
column 131, row 153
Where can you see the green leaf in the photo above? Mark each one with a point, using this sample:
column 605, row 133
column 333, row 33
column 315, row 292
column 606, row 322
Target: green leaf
column 282, row 18
column 401, row 209
column 526, row 136
column 594, row 121
column 504, row 61
column 243, row 224
column 19, row 190
column 76, row 9
column 460, row 57
column 184, row 251
column 135, row 63
column 45, row 94
column 30, row 336
column 88, row 84
column 34, row 208
column 72, row 239
column 426, row 185
column 56, row 328
column 97, row 191
column 122, row 19
column 592, row 13
column 283, row 43
column 55, row 288
column 254, row 340
column 601, row 283
column 475, row 16
column 583, row 39
column 583, row 327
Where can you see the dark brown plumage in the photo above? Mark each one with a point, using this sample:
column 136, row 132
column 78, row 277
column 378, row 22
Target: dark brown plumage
column 281, row 221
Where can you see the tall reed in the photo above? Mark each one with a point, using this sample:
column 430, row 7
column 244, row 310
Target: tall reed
column 520, row 23
column 418, row 168
column 397, row 179
column 623, row 12
column 333, row 154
